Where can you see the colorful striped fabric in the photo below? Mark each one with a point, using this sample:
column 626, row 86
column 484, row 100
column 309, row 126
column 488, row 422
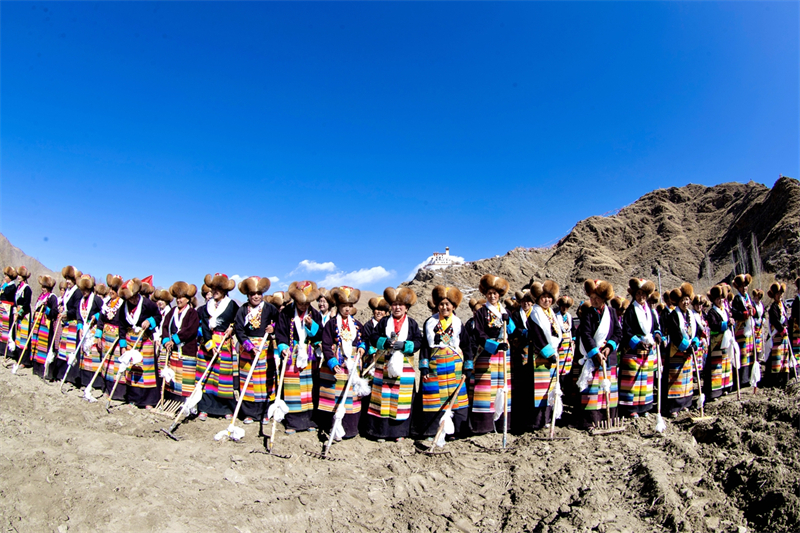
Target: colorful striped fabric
column 184, row 367
column 110, row 334
column 90, row 361
column 543, row 372
column 758, row 341
column 143, row 375
column 566, row 351
column 69, row 339
column 331, row 387
column 441, row 382
column 257, row 390
column 701, row 354
column 298, row 385
column 21, row 333
column 40, row 341
column 488, row 377
column 746, row 344
column 391, row 397
column 719, row 364
column 220, row 379
column 593, row 397
column 636, row 377
column 5, row 321
column 680, row 376
column 779, row 357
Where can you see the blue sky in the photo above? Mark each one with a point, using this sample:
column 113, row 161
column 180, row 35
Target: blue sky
column 178, row 139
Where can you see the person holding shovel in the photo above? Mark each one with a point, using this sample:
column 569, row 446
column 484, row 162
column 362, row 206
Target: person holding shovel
column 743, row 313
column 343, row 348
column 640, row 335
column 22, row 316
column 45, row 312
column 7, row 293
column 139, row 317
column 779, row 364
column 599, row 336
column 717, row 376
column 544, row 339
column 109, row 339
column 90, row 330
column 684, row 337
column 445, row 356
column 179, row 342
column 68, row 342
column 254, row 325
column 566, row 350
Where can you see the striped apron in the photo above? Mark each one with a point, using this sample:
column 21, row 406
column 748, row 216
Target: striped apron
column 637, row 368
column 680, row 374
column 143, row 375
column 719, row 365
column 488, row 378
column 219, row 382
column 5, row 320
column 185, row 368
column 257, row 390
column 391, row 397
column 69, row 339
column 441, row 382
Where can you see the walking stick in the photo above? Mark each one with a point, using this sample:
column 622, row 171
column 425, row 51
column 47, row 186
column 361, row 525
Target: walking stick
column 27, row 342
column 702, row 400
column 660, row 424
column 71, row 359
column 124, row 366
column 11, row 335
column 197, row 394
column 278, row 409
column 87, row 395
column 505, row 388
column 232, row 432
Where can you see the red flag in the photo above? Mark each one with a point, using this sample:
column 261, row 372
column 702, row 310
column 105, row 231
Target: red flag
column 148, row 279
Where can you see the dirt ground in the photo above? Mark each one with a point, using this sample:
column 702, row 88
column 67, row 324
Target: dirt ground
column 67, row 465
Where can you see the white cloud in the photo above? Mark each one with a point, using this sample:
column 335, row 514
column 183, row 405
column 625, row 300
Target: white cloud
column 356, row 278
column 312, row 266
column 274, row 279
column 410, row 276
column 236, row 277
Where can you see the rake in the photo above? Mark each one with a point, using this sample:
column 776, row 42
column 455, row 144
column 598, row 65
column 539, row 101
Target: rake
column 609, row 426
column 445, row 424
column 74, row 357
column 11, row 336
column 275, row 413
column 87, row 392
column 702, row 399
column 27, row 342
column 123, row 366
column 556, row 402
column 168, row 408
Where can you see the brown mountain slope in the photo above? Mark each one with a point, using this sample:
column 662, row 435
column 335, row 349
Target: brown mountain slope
column 678, row 231
column 10, row 255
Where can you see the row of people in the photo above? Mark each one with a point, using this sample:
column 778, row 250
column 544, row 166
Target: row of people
column 503, row 355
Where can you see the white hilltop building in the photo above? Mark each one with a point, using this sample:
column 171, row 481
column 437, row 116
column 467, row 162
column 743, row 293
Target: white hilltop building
column 442, row 260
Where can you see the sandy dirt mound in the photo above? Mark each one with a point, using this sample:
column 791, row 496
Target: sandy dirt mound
column 67, row 465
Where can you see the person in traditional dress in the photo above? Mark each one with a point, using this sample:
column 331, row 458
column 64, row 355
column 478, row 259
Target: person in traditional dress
column 619, row 305
column 492, row 373
column 22, row 317
column 110, row 339
column 444, row 358
column 90, row 330
column 566, row 350
column 794, row 330
column 544, row 338
column 760, row 325
column 521, row 365
column 640, row 336
column 781, row 363
column 343, row 348
column 216, row 321
column 717, row 376
column 397, row 337
column 325, row 305
column 699, row 315
column 684, row 341
column 298, row 331
column 380, row 308
column 45, row 312
column 7, row 293
column 139, row 318
column 68, row 343
column 162, row 299
column 254, row 326
column 179, row 340
column 599, row 336
column 469, row 327
column 743, row 312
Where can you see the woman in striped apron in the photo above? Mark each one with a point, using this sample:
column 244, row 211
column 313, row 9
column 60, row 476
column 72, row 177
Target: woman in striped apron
column 699, row 304
column 343, row 348
column 684, row 341
column 255, row 320
column 7, row 293
column 544, row 339
column 599, row 336
column 444, row 357
column 781, row 363
column 493, row 358
column 298, row 330
column 90, row 331
column 139, row 318
column 217, row 318
column 109, row 340
column 566, row 350
column 794, row 329
column 45, row 312
column 22, row 316
column 68, row 343
column 717, row 376
column 380, row 308
column 179, row 342
column 397, row 337
column 162, row 298
column 640, row 335
column 760, row 325
column 521, row 366
column 743, row 312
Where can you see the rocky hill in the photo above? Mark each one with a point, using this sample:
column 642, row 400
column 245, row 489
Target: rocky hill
column 692, row 233
column 10, row 255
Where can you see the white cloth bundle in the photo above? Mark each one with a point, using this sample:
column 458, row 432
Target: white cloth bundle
column 278, row 410
column 448, row 428
column 554, row 400
column 168, row 375
column 361, row 387
column 587, row 372
column 755, row 377
column 660, row 424
column 499, row 401
column 394, row 367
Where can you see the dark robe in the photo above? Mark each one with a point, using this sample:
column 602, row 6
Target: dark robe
column 269, row 316
column 590, row 321
column 212, row 404
column 141, row 397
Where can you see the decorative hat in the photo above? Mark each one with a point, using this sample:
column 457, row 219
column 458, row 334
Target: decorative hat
column 345, row 295
column 101, row 289
column 565, row 301
column 114, row 282
column 219, row 282
column 378, row 303
column 758, row 293
column 278, row 299
column 303, row 291
column 11, row 272
column 47, row 282
column 636, row 284
column 130, row 289
column 70, row 272
column 599, row 287
column 325, row 293
column 685, row 290
column 181, row 289
column 403, row 296
column 776, row 289
column 451, row 294
column 475, row 303
column 254, row 285
column 85, row 282
column 523, row 296
column 742, row 280
column 548, row 287
column 23, row 272
column 490, row 281
column 163, row 295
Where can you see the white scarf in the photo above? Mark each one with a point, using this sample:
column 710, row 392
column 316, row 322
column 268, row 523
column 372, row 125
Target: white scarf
column 566, row 321
column 347, row 344
column 539, row 317
column 430, row 332
column 748, row 323
column 20, row 291
column 178, row 316
column 85, row 314
column 726, row 336
column 394, row 367
column 253, row 312
column 602, row 331
column 645, row 322
column 326, row 317
column 682, row 323
column 69, row 293
column 215, row 310
column 760, row 311
column 498, row 311
column 133, row 318
column 301, row 328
